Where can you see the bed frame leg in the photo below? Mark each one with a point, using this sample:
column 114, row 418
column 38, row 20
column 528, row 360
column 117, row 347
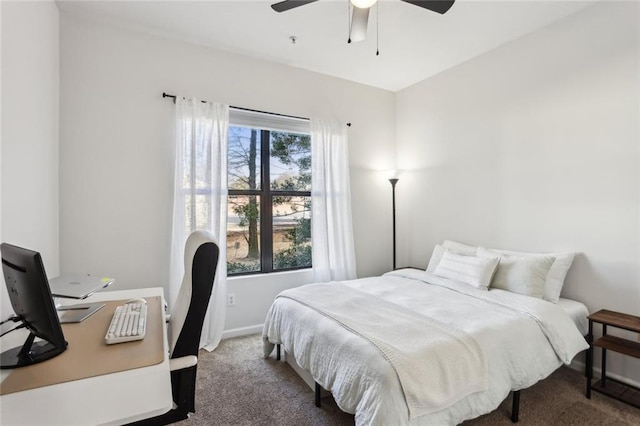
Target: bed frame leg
column 278, row 352
column 318, row 388
column 515, row 407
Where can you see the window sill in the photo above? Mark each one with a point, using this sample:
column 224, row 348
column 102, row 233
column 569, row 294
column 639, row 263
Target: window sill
column 291, row 273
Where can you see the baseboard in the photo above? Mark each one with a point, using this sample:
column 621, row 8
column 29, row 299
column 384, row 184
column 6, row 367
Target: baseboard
column 242, row 331
column 580, row 366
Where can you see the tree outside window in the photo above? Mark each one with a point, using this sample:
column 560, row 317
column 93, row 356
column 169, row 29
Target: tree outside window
column 269, row 208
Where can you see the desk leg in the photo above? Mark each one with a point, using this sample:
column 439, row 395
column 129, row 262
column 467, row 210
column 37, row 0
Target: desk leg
column 278, row 352
column 589, row 366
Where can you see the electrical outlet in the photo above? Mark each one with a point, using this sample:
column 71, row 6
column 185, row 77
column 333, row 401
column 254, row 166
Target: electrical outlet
column 231, row 300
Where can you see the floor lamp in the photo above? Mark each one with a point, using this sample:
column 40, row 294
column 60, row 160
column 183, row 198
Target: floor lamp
column 393, row 204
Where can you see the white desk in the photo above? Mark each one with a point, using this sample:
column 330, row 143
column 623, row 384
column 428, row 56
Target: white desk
column 109, row 399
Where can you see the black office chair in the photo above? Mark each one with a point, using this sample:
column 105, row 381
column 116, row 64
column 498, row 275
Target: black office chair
column 185, row 326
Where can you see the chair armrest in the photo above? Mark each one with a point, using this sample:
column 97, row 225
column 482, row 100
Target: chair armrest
column 182, row 362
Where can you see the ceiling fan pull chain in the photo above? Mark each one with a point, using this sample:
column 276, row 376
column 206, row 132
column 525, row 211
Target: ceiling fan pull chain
column 349, row 18
column 377, row 28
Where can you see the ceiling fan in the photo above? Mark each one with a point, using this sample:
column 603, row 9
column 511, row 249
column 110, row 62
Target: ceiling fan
column 360, row 16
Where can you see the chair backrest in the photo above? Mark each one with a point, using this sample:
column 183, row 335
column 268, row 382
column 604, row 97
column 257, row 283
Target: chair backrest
column 201, row 255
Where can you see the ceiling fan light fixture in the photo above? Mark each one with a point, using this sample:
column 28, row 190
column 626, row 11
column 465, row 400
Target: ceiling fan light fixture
column 363, row 4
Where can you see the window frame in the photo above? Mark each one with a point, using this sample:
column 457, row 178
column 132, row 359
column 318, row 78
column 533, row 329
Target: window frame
column 266, row 195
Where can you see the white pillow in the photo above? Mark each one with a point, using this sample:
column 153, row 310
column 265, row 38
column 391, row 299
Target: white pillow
column 452, row 246
column 520, row 274
column 557, row 274
column 471, row 270
column 435, row 258
column 460, row 247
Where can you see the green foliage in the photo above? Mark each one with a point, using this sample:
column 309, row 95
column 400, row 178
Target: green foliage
column 297, row 256
column 247, row 212
column 301, row 233
column 287, row 147
column 292, row 149
column 239, row 267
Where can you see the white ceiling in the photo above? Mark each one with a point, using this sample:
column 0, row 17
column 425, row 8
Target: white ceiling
column 414, row 43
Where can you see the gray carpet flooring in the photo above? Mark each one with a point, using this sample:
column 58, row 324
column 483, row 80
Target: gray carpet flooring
column 237, row 386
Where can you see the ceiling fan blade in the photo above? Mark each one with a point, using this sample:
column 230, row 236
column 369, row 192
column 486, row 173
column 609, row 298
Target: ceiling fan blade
column 359, row 20
column 283, row 6
column 439, row 6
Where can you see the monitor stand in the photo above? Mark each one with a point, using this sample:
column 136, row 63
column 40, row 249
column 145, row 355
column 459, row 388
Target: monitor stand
column 30, row 353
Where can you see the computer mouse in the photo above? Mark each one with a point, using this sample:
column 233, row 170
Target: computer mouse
column 136, row 301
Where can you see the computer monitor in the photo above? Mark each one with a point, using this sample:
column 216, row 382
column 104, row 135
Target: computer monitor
column 33, row 304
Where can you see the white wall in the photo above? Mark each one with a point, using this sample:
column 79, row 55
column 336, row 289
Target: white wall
column 29, row 160
column 116, row 150
column 534, row 146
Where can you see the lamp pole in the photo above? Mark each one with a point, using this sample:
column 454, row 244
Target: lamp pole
column 393, row 182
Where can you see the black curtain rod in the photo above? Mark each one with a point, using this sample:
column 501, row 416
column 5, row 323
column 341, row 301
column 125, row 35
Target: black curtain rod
column 166, row 95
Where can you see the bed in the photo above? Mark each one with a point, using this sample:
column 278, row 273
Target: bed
column 413, row 347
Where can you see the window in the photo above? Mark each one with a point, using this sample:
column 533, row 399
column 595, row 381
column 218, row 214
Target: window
column 269, row 203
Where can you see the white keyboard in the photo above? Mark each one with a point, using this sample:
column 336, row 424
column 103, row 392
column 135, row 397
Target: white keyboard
column 129, row 323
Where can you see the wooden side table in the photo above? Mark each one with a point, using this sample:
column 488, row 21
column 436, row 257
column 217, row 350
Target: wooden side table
column 613, row 388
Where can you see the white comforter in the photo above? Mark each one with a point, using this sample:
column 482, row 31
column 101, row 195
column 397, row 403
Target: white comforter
column 523, row 339
column 425, row 352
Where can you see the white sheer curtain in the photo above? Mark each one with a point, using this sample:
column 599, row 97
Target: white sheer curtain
column 331, row 226
column 200, row 199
